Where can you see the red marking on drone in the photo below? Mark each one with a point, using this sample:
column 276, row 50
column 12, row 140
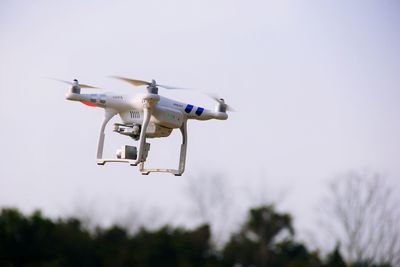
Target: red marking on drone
column 88, row 104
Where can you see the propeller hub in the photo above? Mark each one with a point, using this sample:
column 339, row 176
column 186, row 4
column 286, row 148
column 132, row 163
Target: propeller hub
column 152, row 88
column 221, row 107
column 76, row 89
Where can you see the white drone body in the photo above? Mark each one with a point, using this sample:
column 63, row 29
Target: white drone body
column 146, row 115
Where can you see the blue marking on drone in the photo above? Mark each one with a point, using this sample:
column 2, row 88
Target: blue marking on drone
column 199, row 111
column 188, row 108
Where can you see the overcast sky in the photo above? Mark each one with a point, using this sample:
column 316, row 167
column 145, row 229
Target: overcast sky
column 315, row 83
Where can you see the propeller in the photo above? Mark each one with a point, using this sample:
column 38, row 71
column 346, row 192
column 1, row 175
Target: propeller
column 153, row 83
column 75, row 82
column 221, row 102
column 222, row 106
column 132, row 81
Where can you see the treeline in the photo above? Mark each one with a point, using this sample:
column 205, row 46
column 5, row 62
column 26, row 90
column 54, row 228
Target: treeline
column 265, row 239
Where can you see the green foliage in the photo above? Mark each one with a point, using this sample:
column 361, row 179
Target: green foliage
column 172, row 247
column 265, row 239
column 258, row 244
column 369, row 264
column 335, row 259
column 36, row 241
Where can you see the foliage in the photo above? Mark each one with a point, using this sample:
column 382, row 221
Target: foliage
column 258, row 244
column 265, row 239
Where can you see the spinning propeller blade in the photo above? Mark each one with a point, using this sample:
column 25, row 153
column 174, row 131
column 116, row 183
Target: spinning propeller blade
column 220, row 101
column 81, row 85
column 136, row 82
column 173, row 87
column 132, row 81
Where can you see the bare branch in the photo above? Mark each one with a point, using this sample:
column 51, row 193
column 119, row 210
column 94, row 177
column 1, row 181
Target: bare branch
column 362, row 211
column 211, row 200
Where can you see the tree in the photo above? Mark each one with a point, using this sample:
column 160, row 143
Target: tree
column 38, row 241
column 361, row 213
column 266, row 239
column 335, row 259
column 172, row 247
column 211, row 201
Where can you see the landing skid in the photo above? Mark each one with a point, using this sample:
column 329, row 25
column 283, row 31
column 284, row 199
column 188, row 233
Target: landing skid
column 182, row 158
column 143, row 147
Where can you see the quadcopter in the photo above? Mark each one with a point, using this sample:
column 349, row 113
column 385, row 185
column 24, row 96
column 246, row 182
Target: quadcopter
column 144, row 115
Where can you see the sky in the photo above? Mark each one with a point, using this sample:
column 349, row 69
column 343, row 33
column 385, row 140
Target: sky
column 315, row 85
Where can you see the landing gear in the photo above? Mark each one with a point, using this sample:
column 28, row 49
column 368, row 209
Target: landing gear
column 137, row 156
column 142, row 145
column 182, row 158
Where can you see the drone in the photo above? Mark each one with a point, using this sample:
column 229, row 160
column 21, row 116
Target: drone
column 143, row 116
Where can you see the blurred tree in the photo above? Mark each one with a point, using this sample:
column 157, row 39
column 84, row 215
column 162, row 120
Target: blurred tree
column 173, row 247
column 361, row 213
column 34, row 239
column 369, row 264
column 211, row 202
column 73, row 244
column 266, row 239
column 112, row 247
column 335, row 259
